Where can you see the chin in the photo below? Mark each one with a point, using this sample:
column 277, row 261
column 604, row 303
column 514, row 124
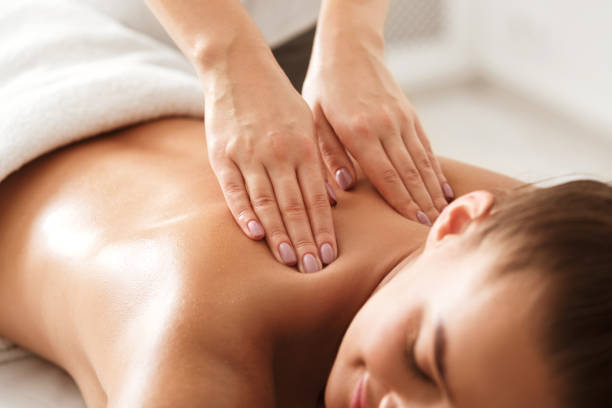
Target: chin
column 341, row 382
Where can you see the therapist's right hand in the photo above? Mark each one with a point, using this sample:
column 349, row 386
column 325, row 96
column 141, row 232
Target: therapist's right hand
column 262, row 148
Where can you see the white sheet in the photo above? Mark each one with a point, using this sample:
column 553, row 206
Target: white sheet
column 67, row 72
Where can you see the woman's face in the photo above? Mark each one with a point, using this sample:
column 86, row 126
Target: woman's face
column 446, row 331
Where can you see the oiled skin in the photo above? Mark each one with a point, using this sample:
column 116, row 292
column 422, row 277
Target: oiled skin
column 120, row 262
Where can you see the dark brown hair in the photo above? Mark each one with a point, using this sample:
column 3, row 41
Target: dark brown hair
column 565, row 232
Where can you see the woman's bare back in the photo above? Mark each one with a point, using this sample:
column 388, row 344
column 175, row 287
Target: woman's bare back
column 121, row 263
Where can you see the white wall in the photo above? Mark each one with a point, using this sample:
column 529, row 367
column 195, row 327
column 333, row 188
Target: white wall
column 445, row 58
column 556, row 52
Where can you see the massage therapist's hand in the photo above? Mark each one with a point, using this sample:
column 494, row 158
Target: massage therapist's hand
column 359, row 107
column 259, row 131
column 262, row 148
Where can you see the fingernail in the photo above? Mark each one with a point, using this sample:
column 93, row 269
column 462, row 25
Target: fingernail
column 287, row 253
column 332, row 195
column 423, row 218
column 310, row 263
column 448, row 192
column 344, row 178
column 255, row 229
column 327, row 254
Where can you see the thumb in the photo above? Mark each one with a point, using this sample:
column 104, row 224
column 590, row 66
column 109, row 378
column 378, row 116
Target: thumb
column 333, row 153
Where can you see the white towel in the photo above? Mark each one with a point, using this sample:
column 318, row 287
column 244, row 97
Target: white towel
column 68, row 71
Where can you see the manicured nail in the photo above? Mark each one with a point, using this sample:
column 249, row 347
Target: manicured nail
column 287, row 253
column 255, row 229
column 423, row 218
column 332, row 194
column 448, row 192
column 344, row 178
column 327, row 254
column 310, row 263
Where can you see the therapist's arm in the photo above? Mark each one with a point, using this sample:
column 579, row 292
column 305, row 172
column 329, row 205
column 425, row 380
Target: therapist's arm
column 260, row 131
column 358, row 106
column 209, row 31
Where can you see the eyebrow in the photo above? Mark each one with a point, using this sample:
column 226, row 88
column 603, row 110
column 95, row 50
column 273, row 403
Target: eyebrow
column 440, row 356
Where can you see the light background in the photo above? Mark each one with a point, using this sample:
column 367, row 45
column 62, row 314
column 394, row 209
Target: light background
column 520, row 87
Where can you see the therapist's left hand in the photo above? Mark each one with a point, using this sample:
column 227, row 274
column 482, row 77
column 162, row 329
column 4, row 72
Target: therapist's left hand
column 359, row 107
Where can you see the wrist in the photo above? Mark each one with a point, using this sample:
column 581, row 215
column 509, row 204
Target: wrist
column 242, row 61
column 351, row 23
column 209, row 54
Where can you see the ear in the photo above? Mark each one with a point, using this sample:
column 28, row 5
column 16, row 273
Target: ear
column 458, row 216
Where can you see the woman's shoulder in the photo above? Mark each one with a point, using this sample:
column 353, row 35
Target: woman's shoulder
column 466, row 177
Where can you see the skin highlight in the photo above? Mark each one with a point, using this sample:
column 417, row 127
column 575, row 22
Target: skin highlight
column 122, row 264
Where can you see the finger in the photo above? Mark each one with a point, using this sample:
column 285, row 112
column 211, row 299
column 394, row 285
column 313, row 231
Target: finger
column 449, row 194
column 319, row 212
column 295, row 218
column 331, row 195
column 424, row 165
column 334, row 154
column 264, row 203
column 237, row 199
column 404, row 164
column 378, row 168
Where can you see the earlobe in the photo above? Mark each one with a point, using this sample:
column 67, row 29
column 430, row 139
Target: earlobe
column 459, row 215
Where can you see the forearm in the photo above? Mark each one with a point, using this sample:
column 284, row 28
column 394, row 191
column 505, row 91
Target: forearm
column 361, row 20
column 211, row 32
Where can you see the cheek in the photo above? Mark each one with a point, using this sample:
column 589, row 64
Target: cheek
column 382, row 330
column 377, row 340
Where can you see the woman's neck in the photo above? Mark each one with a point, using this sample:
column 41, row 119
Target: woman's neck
column 409, row 260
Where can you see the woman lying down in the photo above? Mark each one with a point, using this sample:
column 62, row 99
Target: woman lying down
column 121, row 263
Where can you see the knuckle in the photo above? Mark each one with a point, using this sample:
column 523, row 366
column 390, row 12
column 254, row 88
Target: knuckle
column 276, row 234
column 233, row 149
column 425, row 164
column 232, row 188
column 360, row 125
column 430, row 155
column 385, row 122
column 263, row 201
column 279, row 145
column 390, row 176
column 303, row 245
column 409, row 120
column 293, row 208
column 284, row 146
column 332, row 157
column 307, row 151
column 411, row 175
column 318, row 201
column 327, row 150
column 324, row 233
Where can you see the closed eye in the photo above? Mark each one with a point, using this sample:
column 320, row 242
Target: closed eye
column 414, row 365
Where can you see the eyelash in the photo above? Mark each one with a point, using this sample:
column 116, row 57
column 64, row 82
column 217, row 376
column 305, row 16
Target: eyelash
column 422, row 375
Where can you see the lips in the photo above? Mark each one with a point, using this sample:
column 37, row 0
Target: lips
column 359, row 396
